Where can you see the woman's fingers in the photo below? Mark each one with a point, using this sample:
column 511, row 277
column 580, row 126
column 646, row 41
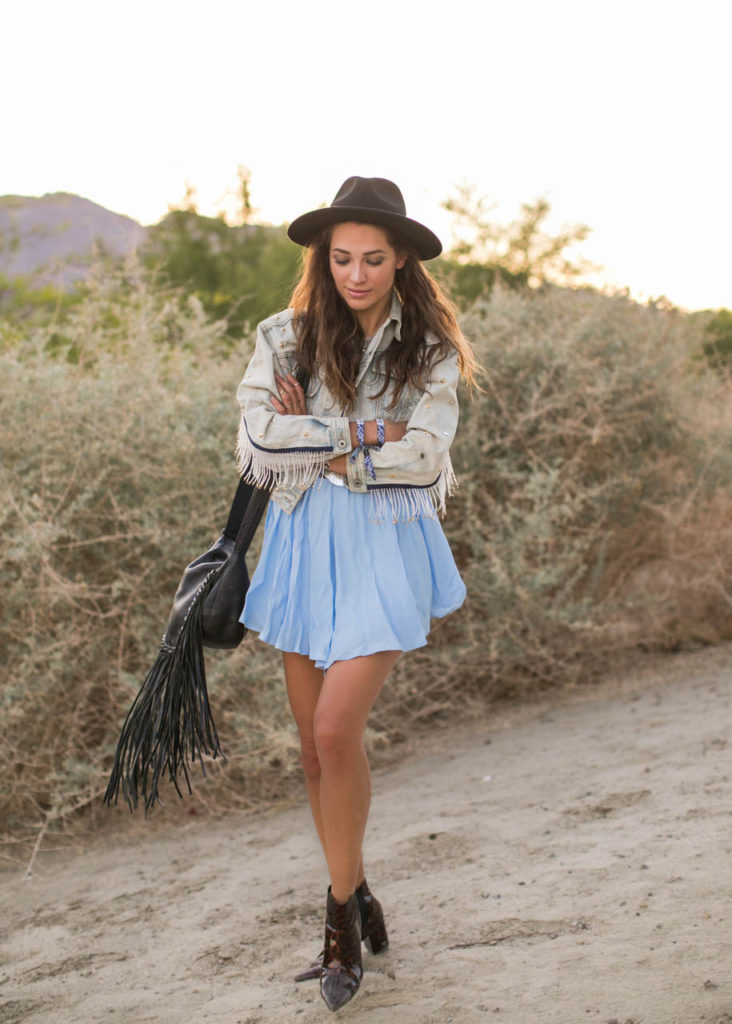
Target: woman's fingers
column 279, row 407
column 298, row 393
column 292, row 396
column 283, row 403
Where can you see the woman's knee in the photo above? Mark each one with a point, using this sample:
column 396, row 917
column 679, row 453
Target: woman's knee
column 335, row 743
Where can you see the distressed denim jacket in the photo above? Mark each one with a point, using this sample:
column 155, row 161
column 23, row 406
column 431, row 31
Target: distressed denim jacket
column 412, row 477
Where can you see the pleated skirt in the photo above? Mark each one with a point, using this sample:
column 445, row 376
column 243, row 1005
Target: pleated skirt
column 333, row 584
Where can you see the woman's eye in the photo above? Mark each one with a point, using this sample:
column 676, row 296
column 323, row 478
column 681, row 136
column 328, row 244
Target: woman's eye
column 374, row 263
column 340, row 263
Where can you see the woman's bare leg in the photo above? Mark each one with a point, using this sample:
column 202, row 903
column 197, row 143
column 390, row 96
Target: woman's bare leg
column 348, row 691
column 304, row 688
column 304, row 682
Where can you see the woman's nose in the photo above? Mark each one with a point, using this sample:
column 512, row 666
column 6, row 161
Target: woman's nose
column 357, row 271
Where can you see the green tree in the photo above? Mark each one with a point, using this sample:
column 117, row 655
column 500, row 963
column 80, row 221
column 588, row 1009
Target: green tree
column 718, row 346
column 467, row 281
column 245, row 209
column 523, row 250
column 241, row 273
column 24, row 301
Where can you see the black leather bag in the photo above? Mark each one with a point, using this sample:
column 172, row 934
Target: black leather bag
column 170, row 723
column 219, row 576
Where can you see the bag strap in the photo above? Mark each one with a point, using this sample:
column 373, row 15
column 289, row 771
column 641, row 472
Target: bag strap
column 238, row 509
column 258, row 501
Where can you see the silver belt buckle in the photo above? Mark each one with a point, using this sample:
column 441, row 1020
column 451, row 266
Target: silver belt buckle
column 334, row 478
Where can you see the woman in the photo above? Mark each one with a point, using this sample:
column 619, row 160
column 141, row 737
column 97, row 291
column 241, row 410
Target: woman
column 354, row 562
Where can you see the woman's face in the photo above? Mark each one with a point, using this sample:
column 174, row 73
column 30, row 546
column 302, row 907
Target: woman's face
column 363, row 265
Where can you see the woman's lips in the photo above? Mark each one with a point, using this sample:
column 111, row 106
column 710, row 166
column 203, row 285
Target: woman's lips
column 356, row 294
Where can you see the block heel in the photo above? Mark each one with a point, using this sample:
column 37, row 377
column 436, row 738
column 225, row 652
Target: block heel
column 373, row 928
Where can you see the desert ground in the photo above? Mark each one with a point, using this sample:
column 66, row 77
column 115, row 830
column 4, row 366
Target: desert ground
column 553, row 863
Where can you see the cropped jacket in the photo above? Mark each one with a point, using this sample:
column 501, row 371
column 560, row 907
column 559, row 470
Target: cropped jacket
column 411, row 477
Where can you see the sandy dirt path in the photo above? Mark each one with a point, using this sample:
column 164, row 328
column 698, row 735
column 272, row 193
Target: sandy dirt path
column 563, row 863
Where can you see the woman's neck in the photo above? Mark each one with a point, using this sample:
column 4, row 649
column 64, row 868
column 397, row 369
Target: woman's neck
column 370, row 320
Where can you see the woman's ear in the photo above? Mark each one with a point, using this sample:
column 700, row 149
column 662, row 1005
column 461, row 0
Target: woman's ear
column 401, row 260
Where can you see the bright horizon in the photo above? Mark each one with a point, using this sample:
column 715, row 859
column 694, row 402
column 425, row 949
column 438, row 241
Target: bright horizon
column 618, row 115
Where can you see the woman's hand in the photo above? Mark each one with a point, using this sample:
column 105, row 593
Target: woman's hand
column 292, row 401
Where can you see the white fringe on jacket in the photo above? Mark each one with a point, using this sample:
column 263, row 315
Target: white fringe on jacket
column 300, row 470
column 289, row 468
column 402, row 504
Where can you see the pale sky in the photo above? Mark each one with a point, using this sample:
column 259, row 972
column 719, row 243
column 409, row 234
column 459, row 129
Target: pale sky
column 618, row 113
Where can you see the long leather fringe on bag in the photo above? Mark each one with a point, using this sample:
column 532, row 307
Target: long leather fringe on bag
column 170, row 724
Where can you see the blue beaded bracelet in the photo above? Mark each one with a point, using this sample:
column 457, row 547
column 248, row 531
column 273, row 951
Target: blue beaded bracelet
column 361, row 447
column 380, row 432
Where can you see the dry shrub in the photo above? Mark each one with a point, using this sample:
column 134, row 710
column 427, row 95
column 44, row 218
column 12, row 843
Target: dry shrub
column 592, row 514
column 118, row 465
column 601, row 446
column 675, row 593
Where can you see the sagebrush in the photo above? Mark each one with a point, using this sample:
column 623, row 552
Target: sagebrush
column 592, row 516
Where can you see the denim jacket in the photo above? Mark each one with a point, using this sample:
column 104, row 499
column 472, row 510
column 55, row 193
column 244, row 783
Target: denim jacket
column 411, row 477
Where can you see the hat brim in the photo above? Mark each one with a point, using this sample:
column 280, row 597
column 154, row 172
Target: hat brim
column 426, row 242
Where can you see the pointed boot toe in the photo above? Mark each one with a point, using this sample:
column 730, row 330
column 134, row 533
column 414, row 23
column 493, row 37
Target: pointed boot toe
column 373, row 931
column 313, row 971
column 341, row 972
column 338, row 987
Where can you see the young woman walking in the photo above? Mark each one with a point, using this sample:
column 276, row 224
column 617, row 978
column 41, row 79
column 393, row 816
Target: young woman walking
column 354, row 562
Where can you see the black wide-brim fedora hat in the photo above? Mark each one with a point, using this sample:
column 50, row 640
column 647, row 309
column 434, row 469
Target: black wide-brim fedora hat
column 368, row 201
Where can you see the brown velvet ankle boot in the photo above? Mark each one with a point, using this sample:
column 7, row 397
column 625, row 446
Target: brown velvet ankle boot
column 373, row 930
column 341, row 973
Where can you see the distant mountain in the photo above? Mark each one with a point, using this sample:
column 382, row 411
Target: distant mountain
column 53, row 239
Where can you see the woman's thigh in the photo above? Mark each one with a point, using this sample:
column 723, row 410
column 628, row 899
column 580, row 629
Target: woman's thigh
column 304, row 682
column 348, row 693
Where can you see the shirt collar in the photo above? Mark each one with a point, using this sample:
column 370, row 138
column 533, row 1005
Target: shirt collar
column 390, row 329
column 395, row 314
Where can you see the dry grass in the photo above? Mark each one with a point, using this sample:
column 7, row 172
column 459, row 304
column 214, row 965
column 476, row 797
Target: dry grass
column 593, row 516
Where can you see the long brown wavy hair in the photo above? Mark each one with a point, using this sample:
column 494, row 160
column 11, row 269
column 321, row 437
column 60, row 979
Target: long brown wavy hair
column 330, row 336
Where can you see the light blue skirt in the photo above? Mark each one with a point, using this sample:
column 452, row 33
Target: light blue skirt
column 333, row 585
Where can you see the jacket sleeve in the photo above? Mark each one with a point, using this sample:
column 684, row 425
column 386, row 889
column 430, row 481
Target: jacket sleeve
column 274, row 448
column 421, row 459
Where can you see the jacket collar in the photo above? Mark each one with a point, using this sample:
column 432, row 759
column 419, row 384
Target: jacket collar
column 390, row 329
column 395, row 315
